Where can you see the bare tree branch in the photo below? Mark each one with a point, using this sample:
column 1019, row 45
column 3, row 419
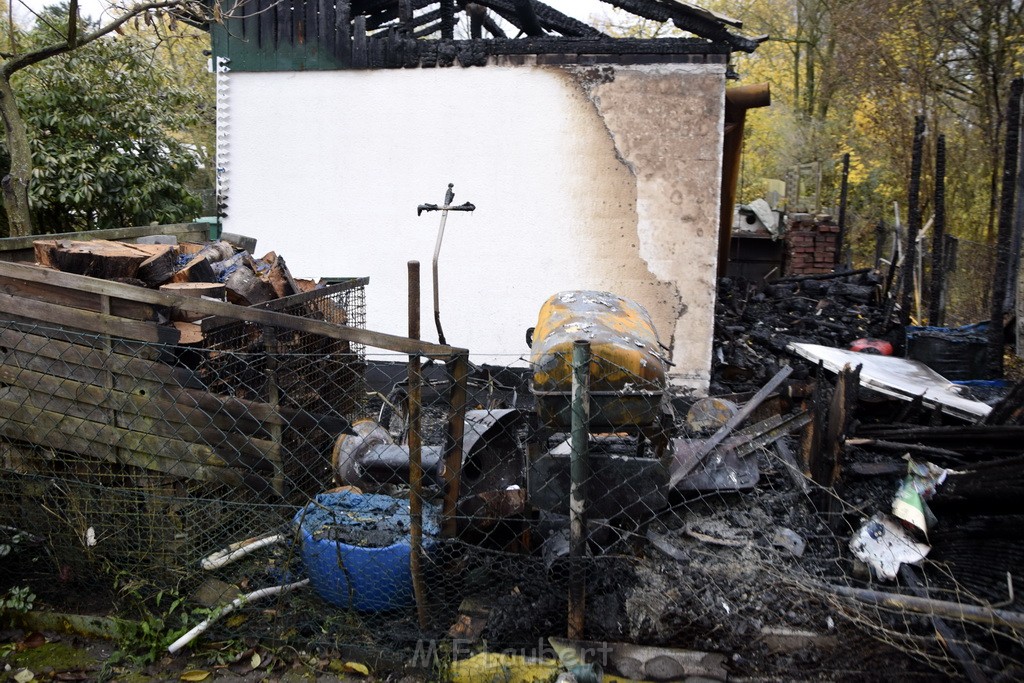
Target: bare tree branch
column 18, row 62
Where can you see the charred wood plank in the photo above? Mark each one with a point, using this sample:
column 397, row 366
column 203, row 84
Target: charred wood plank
column 822, row 276
column 343, row 333
column 813, row 435
column 343, row 37
column 944, row 454
column 967, row 439
column 1010, row 410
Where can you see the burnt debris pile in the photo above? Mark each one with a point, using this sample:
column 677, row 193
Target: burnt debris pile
column 911, row 520
column 755, row 322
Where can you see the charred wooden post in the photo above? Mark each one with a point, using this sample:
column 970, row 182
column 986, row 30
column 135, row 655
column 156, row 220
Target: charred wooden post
column 937, row 303
column 840, row 239
column 343, row 40
column 447, row 19
column 579, row 473
column 1005, row 234
column 913, row 221
column 810, row 439
column 879, row 243
column 458, row 371
column 830, row 464
column 891, row 290
column 416, row 452
column 360, row 44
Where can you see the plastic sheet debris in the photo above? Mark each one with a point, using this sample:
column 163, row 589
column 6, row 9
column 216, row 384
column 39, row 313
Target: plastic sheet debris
column 884, row 545
column 922, row 480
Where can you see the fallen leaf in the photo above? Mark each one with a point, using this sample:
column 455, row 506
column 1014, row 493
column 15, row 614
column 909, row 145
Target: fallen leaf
column 356, row 667
column 195, row 675
column 235, row 621
column 24, row 676
column 72, row 676
column 256, row 660
column 33, row 640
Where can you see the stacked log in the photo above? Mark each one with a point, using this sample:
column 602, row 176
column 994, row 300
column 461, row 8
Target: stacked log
column 216, row 269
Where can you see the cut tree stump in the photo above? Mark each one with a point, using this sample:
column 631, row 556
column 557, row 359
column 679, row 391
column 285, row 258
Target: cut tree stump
column 98, row 258
column 196, row 270
column 159, row 268
column 245, row 288
column 281, row 279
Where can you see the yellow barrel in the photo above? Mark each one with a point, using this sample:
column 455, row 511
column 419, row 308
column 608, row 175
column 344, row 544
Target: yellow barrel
column 627, row 373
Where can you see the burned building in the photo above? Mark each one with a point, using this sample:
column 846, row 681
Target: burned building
column 594, row 162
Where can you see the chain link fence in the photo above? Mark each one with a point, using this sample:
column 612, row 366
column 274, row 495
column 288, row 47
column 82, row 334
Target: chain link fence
column 969, row 281
column 278, row 470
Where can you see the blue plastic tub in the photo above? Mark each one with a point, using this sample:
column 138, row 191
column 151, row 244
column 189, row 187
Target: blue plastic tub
column 355, row 549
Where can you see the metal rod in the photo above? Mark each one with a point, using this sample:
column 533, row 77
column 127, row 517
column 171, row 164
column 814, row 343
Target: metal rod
column 842, row 208
column 579, row 473
column 416, row 452
column 437, row 254
column 1005, row 234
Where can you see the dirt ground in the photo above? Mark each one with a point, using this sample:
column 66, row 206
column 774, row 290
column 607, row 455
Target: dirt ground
column 52, row 656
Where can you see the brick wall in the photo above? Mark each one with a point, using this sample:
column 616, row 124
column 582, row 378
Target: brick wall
column 810, row 245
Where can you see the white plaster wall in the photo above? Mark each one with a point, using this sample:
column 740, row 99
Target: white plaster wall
column 327, row 168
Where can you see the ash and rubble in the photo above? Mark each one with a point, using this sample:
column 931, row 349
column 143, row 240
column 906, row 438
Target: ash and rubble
column 749, row 573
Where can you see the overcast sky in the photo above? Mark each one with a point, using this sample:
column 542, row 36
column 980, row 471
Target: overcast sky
column 581, row 9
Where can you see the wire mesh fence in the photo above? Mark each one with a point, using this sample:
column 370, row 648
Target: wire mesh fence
column 279, row 470
column 969, row 286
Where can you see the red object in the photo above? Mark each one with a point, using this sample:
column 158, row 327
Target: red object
column 876, row 346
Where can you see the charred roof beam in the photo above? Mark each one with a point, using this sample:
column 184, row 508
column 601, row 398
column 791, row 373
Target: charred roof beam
column 479, row 18
column 548, row 17
column 687, row 18
column 528, row 18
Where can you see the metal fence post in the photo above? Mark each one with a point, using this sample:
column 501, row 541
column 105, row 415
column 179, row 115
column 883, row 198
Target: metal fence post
column 579, row 472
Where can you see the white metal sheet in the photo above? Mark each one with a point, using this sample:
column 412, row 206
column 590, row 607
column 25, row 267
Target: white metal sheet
column 897, row 377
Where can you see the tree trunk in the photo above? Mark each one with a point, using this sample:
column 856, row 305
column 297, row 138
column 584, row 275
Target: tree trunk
column 15, row 183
